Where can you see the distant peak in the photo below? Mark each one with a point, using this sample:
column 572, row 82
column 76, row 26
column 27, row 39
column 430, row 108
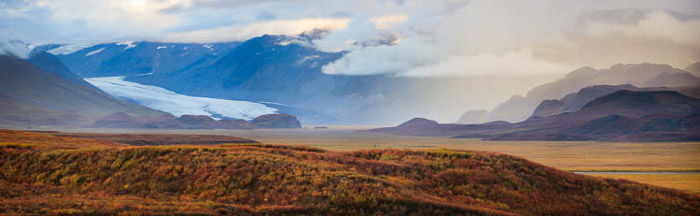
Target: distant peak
column 418, row 122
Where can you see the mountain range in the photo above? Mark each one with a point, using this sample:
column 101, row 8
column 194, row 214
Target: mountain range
column 285, row 73
column 134, row 58
column 623, row 115
column 519, row 108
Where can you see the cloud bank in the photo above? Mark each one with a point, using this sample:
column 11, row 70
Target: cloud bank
column 398, row 37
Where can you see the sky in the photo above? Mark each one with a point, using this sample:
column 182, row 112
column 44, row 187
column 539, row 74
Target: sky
column 403, row 37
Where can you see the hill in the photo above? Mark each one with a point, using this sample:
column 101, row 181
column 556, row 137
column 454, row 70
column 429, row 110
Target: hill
column 619, row 116
column 50, row 174
column 575, row 101
column 519, row 108
column 32, row 96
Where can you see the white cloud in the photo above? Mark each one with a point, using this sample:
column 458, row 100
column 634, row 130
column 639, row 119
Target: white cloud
column 510, row 63
column 386, row 36
column 491, row 37
column 14, row 48
column 656, row 25
column 242, row 32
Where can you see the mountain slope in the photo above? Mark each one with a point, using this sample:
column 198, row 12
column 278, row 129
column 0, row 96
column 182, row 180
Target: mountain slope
column 575, row 101
column 285, row 73
column 620, row 116
column 31, row 96
column 260, row 179
column 134, row 58
column 519, row 108
column 694, row 69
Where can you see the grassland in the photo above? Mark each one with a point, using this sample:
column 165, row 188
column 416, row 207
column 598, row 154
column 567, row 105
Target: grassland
column 566, row 155
column 46, row 174
column 686, row 182
column 570, row 156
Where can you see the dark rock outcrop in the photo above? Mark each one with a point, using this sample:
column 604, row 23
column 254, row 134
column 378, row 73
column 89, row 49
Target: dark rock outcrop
column 276, row 121
column 123, row 120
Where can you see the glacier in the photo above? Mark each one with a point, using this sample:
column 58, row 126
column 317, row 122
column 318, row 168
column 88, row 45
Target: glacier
column 179, row 104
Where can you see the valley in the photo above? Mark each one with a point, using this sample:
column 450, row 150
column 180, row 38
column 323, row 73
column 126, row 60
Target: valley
column 373, row 107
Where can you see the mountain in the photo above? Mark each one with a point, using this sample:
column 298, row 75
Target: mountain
column 694, row 69
column 519, row 108
column 218, row 175
column 619, row 116
column 474, row 116
column 32, row 96
column 134, row 58
column 426, row 127
column 575, row 101
column 285, row 73
column 279, row 69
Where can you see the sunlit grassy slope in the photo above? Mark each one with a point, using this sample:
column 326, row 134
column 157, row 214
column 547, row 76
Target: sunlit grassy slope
column 43, row 173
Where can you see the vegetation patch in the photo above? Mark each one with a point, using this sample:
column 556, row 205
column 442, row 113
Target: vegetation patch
column 97, row 178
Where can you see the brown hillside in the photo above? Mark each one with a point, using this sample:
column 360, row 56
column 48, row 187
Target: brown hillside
column 43, row 173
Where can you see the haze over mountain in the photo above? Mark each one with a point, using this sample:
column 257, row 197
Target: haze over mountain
column 285, row 73
column 519, row 108
column 619, row 116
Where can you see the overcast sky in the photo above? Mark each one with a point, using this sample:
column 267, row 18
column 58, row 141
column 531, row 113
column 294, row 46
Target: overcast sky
column 413, row 38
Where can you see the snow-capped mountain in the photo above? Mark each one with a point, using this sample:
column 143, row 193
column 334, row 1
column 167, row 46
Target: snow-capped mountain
column 133, row 58
column 276, row 69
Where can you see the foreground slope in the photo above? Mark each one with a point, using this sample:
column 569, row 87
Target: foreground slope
column 50, row 173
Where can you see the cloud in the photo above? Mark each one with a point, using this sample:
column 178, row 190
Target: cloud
column 411, row 38
column 487, row 37
column 14, row 48
column 521, row 62
column 242, row 32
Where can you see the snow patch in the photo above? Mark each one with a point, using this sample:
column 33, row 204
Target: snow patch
column 304, row 43
column 95, row 51
column 178, row 104
column 306, row 58
column 129, row 44
column 68, row 49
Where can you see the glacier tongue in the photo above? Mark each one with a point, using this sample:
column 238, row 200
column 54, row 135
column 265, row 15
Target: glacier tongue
column 178, row 104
